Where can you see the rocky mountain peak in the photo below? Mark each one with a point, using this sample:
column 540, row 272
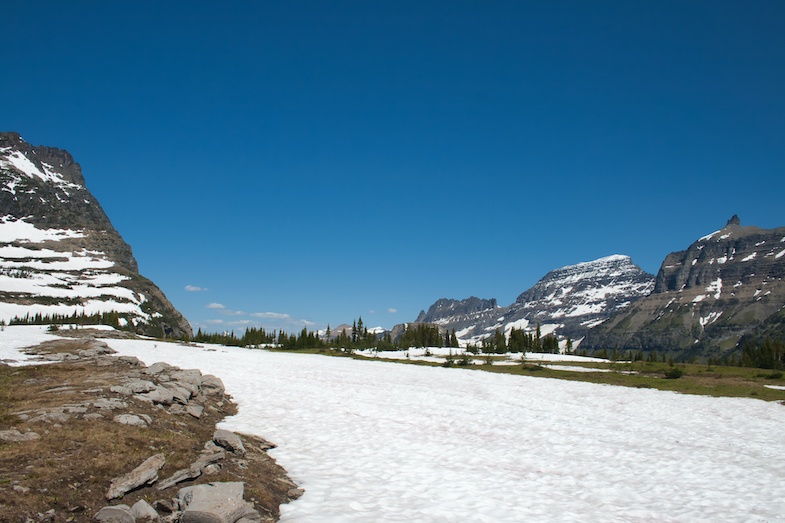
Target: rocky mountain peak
column 59, row 250
column 568, row 301
column 724, row 285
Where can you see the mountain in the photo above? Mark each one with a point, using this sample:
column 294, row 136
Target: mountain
column 725, row 285
column 567, row 301
column 60, row 254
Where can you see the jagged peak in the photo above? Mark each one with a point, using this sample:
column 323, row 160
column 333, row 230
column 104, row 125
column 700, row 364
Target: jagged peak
column 733, row 221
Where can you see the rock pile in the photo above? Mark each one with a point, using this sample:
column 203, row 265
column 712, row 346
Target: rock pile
column 127, row 397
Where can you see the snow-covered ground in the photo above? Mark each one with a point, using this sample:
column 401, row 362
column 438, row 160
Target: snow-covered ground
column 384, row 442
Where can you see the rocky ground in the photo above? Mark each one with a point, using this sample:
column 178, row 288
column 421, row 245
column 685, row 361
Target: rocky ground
column 92, row 430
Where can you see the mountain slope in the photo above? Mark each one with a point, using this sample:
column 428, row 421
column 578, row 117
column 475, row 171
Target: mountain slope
column 705, row 298
column 60, row 254
column 568, row 301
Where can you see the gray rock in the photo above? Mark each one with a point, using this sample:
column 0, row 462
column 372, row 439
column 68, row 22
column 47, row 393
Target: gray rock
column 51, row 417
column 143, row 511
column 157, row 368
column 131, row 360
column 140, row 386
column 195, row 410
column 130, row 419
column 193, row 376
column 109, row 404
column 93, row 415
column 194, row 471
column 144, row 474
column 120, row 389
column 215, row 503
column 229, row 440
column 160, row 395
column 181, row 395
column 14, row 436
column 212, row 384
column 115, row 514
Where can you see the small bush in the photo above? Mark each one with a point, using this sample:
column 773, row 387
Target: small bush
column 674, row 373
column 774, row 376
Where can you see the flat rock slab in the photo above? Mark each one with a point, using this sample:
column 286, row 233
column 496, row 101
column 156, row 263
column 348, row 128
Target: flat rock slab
column 115, row 514
column 215, row 503
column 14, row 436
column 130, row 419
column 229, row 440
column 144, row 474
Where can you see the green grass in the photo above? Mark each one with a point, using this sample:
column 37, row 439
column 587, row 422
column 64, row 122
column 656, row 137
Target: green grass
column 701, row 379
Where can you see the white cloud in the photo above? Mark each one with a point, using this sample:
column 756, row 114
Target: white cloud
column 271, row 315
column 392, row 311
column 194, row 288
column 214, row 322
column 215, row 306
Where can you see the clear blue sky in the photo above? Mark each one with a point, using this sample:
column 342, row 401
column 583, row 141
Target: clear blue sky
column 319, row 161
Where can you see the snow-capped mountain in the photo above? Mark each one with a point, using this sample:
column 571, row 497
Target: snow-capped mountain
column 726, row 284
column 567, row 301
column 60, row 254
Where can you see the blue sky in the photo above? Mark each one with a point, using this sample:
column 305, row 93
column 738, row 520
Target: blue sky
column 306, row 163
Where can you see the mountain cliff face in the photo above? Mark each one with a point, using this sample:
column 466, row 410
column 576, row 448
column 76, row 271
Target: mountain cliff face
column 567, row 301
column 726, row 284
column 60, row 254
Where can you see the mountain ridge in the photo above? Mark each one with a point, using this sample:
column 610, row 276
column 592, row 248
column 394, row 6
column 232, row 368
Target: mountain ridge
column 566, row 301
column 59, row 252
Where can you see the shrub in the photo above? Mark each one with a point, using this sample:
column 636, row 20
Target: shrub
column 674, row 373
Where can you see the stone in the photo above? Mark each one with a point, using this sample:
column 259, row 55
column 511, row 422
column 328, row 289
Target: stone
column 194, row 471
column 160, row 395
column 193, row 376
column 120, row 389
column 14, row 436
column 139, row 386
column 144, row 474
column 130, row 419
column 195, row 410
column 131, row 360
column 215, row 503
column 229, row 440
column 157, row 368
column 181, row 395
column 109, row 404
column 93, row 415
column 115, row 514
column 212, row 384
column 51, row 417
column 143, row 511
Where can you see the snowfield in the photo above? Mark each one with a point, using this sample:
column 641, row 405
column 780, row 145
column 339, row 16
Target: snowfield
column 385, row 442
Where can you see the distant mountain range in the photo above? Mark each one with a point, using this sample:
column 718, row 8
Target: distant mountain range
column 726, row 285
column 60, row 254
column 704, row 300
column 567, row 302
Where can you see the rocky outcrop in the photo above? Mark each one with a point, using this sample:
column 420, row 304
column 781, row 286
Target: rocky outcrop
column 705, row 298
column 105, row 397
column 64, row 245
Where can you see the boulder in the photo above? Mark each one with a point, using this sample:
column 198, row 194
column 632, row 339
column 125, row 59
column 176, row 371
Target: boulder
column 130, row 419
column 195, row 410
column 180, row 394
column 14, row 436
column 160, row 395
column 215, row 503
column 157, row 368
column 144, row 474
column 139, row 386
column 115, row 514
column 229, row 440
column 212, row 384
column 143, row 511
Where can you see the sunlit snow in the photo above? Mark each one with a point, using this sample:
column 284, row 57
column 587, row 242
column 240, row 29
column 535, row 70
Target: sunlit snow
column 375, row 441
